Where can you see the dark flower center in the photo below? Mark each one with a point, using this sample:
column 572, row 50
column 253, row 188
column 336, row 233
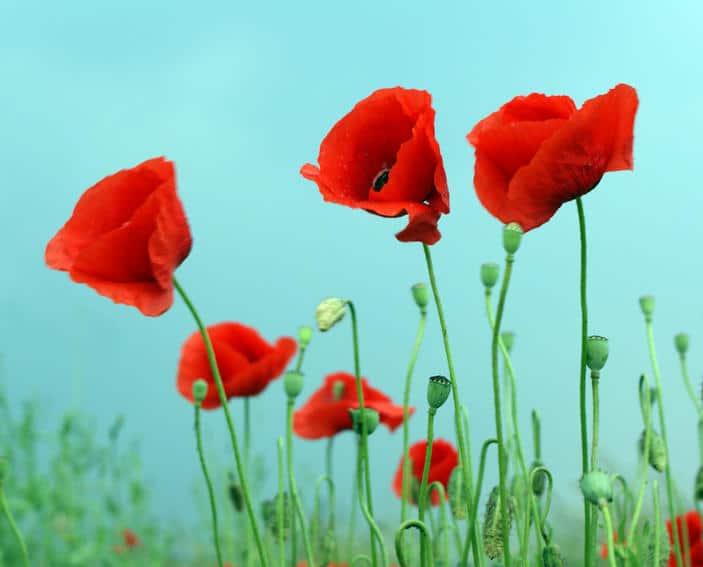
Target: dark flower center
column 381, row 179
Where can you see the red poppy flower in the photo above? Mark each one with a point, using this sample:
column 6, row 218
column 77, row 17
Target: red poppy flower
column 326, row 413
column 537, row 152
column 695, row 544
column 130, row 538
column 247, row 363
column 383, row 157
column 443, row 461
column 126, row 236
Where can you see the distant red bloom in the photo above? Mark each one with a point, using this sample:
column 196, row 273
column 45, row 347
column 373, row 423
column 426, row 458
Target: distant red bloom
column 126, row 236
column 383, row 157
column 247, row 363
column 695, row 544
column 130, row 538
column 604, row 546
column 326, row 413
column 444, row 460
column 537, row 152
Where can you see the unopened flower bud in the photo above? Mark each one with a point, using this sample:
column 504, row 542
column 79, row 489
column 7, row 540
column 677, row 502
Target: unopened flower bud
column 457, row 494
column 552, row 556
column 597, row 487
column 512, row 235
column 329, row 312
column 420, row 295
column 489, row 274
column 493, row 525
column 371, row 419
column 596, row 352
column 698, row 485
column 438, row 390
column 681, row 343
column 293, row 383
column 199, row 390
column 269, row 511
column 508, row 338
column 647, row 306
column 304, row 336
column 236, row 496
column 539, row 479
column 657, row 450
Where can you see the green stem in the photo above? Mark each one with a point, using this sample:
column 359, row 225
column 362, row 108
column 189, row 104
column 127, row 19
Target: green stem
column 279, row 505
column 315, row 529
column 582, row 381
column 247, row 466
column 230, row 423
column 208, row 482
column 13, row 526
column 438, row 487
column 475, row 535
column 609, row 529
column 424, row 534
column 645, row 407
column 473, row 506
column 463, row 455
column 352, row 521
column 662, row 425
column 503, row 492
column 700, row 441
column 423, row 483
column 537, row 435
column 301, row 355
column 689, row 386
column 332, row 503
column 595, row 378
column 373, row 526
column 406, row 415
column 364, row 432
column 292, row 487
column 657, row 521
column 540, row 520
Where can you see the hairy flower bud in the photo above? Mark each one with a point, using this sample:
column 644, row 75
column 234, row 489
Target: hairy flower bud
column 421, row 295
column 438, row 390
column 493, row 525
column 539, row 480
column 647, row 306
column 698, row 485
column 552, row 556
column 512, row 235
column 269, row 511
column 329, row 312
column 236, row 496
column 489, row 274
column 597, row 487
column 304, row 336
column 199, row 390
column 457, row 494
column 681, row 343
column 657, row 450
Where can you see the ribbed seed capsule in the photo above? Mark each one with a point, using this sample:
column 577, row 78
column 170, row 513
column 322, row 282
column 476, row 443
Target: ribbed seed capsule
column 457, row 494
column 657, row 450
column 493, row 525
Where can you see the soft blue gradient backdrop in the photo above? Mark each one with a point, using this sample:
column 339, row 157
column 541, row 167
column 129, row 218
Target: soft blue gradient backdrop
column 239, row 95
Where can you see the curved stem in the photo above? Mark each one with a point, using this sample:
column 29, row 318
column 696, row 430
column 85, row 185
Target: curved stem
column 208, row 482
column 645, row 406
column 425, row 476
column 359, row 558
column 438, row 487
column 373, row 526
column 230, row 423
column 582, row 380
column 424, row 534
column 406, row 415
column 540, row 520
column 279, row 505
column 292, row 487
column 689, row 386
column 13, row 526
column 609, row 529
column 662, row 425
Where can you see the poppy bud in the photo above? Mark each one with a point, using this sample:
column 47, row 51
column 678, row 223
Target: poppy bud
column 539, row 480
column 647, row 306
column 681, row 343
column 236, row 496
column 293, row 383
column 199, row 390
column 597, row 487
column 438, row 391
column 338, row 390
column 512, row 235
column 304, row 336
column 508, row 338
column 489, row 274
column 371, row 418
column 552, row 557
column 420, row 295
column 657, row 450
column 329, row 312
column 596, row 352
column 457, row 494
column 269, row 511
column 698, row 486
column 493, row 525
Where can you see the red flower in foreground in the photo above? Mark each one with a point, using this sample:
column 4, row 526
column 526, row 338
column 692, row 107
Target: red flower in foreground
column 444, row 460
column 537, row 152
column 326, row 413
column 695, row 544
column 247, row 363
column 126, row 236
column 383, row 157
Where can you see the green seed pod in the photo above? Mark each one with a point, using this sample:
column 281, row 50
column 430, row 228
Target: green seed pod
column 597, row 487
column 698, row 485
column 647, row 306
column 681, row 343
column 552, row 556
column 596, row 352
column 489, row 274
column 269, row 511
column 493, row 525
column 421, row 295
column 508, row 338
column 371, row 417
column 457, row 494
column 199, row 390
column 438, row 390
column 293, row 383
column 329, row 312
column 304, row 336
column 539, row 480
column 657, row 450
column 512, row 236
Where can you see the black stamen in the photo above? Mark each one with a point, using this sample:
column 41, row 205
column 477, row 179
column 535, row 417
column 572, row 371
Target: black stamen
column 380, row 180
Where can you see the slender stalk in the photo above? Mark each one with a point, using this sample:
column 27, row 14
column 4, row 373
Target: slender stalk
column 247, row 466
column 208, row 482
column 422, row 500
column 279, row 505
column 230, row 423
column 292, row 487
column 444, row 523
column 662, row 425
column 536, row 435
column 452, row 376
column 13, row 526
column 657, row 521
column 595, row 379
column 332, row 503
column 689, row 386
column 375, row 530
column 352, row 521
column 364, row 432
column 475, row 535
column 406, row 416
column 609, row 530
column 399, row 548
column 646, row 407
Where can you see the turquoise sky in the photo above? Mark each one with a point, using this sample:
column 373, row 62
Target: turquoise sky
column 239, row 95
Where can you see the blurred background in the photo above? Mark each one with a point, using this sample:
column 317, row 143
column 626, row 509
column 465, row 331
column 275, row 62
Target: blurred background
column 240, row 95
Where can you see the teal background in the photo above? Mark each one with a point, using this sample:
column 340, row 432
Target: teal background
column 240, row 95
